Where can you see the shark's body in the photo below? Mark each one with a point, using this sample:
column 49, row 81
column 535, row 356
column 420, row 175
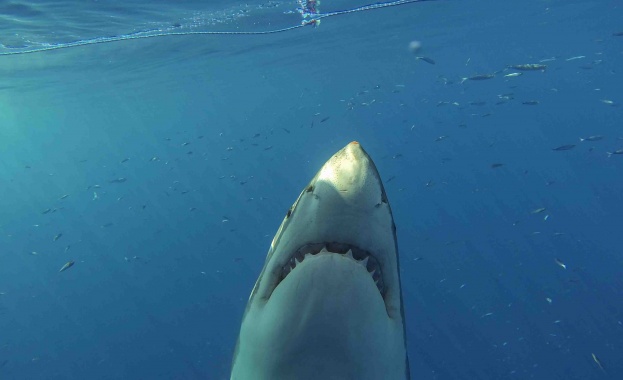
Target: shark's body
column 328, row 302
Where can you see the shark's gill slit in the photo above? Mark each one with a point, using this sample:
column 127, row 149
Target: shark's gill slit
column 358, row 255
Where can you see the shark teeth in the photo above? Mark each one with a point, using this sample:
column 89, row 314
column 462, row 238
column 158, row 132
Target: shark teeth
column 358, row 255
column 349, row 254
column 364, row 262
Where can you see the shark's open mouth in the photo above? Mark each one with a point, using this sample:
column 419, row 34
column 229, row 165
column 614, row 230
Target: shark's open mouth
column 358, row 255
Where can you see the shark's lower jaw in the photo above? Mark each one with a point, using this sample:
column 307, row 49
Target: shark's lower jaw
column 358, row 255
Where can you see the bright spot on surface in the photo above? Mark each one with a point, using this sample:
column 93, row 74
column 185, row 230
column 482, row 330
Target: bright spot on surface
column 414, row 46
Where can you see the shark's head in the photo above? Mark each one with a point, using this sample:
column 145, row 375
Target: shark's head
column 327, row 304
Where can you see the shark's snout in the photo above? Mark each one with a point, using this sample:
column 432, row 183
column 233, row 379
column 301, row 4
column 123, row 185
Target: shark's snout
column 352, row 175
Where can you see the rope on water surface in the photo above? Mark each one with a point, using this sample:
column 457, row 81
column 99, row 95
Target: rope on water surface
column 313, row 21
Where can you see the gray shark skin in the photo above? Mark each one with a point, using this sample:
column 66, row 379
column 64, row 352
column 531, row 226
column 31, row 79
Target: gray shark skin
column 328, row 303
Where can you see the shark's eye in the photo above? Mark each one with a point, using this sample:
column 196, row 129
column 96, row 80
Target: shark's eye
column 309, row 189
column 289, row 213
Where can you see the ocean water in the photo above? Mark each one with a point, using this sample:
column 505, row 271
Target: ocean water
column 163, row 166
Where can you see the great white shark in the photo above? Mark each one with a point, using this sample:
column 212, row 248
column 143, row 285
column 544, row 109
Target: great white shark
column 328, row 302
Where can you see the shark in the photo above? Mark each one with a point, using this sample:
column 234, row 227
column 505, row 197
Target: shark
column 328, row 301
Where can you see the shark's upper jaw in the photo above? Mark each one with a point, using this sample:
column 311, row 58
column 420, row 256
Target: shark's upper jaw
column 356, row 254
column 344, row 208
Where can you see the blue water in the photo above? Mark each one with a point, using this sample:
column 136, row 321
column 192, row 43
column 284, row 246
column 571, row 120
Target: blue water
column 217, row 135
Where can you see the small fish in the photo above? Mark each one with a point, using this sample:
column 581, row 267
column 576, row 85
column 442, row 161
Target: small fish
column 486, row 315
column 596, row 360
column 564, row 147
column 493, row 166
column 617, row 34
column 287, row 131
column 268, row 147
column 426, row 59
column 549, row 300
column 618, row 151
column 607, row 101
column 325, row 119
column 58, row 236
column 118, row 180
column 67, row 265
column 560, row 263
column 64, row 196
column 538, row 210
column 576, row 57
column 125, row 160
column 46, row 211
column 95, row 197
column 366, row 104
column 479, row 77
column 512, row 75
column 528, row 67
column 592, row 138
column 441, row 138
column 531, row 102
